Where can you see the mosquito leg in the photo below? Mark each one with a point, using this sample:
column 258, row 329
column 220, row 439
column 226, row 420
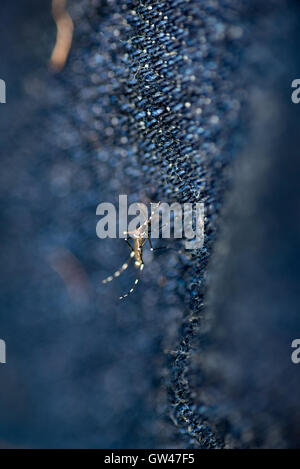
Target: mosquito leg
column 155, row 249
column 118, row 272
column 160, row 228
column 135, row 283
column 167, row 247
column 131, row 248
column 150, row 243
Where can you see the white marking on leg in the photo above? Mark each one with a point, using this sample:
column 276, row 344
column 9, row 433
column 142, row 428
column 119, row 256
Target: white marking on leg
column 135, row 283
column 118, row 272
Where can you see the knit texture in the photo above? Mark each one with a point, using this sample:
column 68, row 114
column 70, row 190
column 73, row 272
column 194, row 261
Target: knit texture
column 163, row 101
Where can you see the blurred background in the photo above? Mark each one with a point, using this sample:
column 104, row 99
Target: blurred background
column 101, row 99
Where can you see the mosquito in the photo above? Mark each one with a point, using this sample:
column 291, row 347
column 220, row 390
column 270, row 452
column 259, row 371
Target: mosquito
column 140, row 235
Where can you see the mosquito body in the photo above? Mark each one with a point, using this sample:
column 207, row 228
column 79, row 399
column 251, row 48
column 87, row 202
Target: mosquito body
column 140, row 235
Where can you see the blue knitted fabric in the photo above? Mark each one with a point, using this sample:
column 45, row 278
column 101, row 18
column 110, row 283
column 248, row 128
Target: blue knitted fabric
column 163, row 101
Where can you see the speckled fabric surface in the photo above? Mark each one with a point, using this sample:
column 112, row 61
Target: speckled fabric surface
column 161, row 100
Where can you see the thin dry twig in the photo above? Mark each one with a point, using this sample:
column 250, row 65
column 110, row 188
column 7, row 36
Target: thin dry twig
column 65, row 28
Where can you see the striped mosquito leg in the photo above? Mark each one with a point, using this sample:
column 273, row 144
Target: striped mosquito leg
column 118, row 272
column 135, row 283
column 153, row 212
